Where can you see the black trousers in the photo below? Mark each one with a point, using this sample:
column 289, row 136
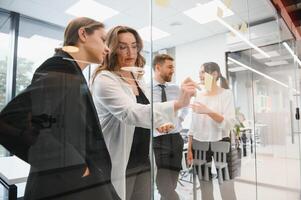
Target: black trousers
column 168, row 154
column 138, row 182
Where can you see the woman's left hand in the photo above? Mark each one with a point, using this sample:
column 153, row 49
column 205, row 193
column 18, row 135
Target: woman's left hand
column 200, row 108
column 165, row 128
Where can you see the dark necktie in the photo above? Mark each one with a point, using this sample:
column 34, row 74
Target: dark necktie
column 163, row 93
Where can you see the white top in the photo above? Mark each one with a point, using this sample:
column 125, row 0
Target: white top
column 203, row 127
column 119, row 114
column 13, row 170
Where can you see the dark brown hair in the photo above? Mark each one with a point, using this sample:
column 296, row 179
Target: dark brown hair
column 110, row 61
column 71, row 32
column 211, row 67
column 160, row 59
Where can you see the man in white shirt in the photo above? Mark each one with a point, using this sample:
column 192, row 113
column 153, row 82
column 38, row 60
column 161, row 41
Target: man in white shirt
column 167, row 147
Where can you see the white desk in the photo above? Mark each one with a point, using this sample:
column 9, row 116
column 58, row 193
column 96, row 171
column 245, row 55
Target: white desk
column 13, row 171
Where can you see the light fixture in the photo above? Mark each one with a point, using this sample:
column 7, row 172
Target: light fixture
column 259, row 56
column 92, row 9
column 204, row 13
column 259, row 73
column 276, row 63
column 296, row 59
column 238, row 34
column 156, row 33
column 237, row 69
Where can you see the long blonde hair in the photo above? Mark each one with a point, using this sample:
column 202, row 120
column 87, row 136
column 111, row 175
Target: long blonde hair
column 110, row 61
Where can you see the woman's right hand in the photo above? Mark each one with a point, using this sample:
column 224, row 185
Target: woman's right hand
column 188, row 90
column 86, row 172
column 189, row 157
column 165, row 128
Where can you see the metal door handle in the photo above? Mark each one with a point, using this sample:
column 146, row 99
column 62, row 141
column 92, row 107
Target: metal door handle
column 292, row 122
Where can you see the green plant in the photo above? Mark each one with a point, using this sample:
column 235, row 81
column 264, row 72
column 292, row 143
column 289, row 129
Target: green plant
column 239, row 122
column 237, row 128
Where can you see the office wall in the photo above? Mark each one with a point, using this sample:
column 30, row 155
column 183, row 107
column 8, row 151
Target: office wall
column 190, row 56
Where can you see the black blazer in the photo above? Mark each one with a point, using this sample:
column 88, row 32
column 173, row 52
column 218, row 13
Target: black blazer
column 53, row 125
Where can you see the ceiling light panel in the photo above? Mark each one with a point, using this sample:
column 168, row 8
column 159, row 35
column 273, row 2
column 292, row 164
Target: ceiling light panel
column 237, row 69
column 259, row 56
column 92, row 9
column 276, row 63
column 156, row 33
column 204, row 13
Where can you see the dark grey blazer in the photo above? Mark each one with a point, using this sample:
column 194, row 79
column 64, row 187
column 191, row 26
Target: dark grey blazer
column 53, row 125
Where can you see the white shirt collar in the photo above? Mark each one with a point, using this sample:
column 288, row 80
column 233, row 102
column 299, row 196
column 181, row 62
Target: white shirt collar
column 156, row 83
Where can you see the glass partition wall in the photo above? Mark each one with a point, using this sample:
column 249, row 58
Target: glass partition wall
column 194, row 33
column 264, row 157
column 266, row 90
column 69, row 137
column 258, row 133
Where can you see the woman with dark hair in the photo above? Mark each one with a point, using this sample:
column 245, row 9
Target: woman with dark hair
column 213, row 115
column 53, row 124
column 125, row 113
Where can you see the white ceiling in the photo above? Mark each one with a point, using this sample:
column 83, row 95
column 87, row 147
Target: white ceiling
column 136, row 13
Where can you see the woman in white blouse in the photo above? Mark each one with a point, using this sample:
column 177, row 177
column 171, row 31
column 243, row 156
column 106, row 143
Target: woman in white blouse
column 213, row 112
column 125, row 113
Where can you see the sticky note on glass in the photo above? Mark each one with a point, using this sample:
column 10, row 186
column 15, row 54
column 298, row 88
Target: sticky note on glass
column 244, row 27
column 228, row 3
column 208, row 81
column 162, row 3
column 220, row 12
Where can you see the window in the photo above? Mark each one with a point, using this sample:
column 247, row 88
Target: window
column 36, row 43
column 4, row 49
